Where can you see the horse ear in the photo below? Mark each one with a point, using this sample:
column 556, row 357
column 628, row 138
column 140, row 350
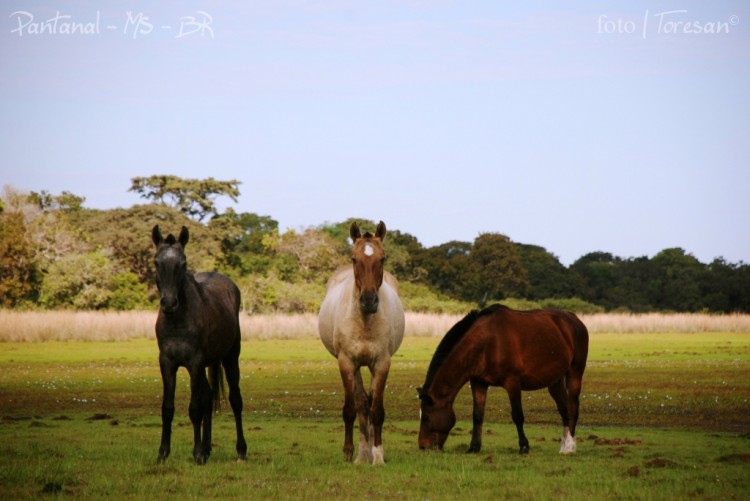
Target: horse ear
column 184, row 237
column 354, row 232
column 380, row 231
column 156, row 235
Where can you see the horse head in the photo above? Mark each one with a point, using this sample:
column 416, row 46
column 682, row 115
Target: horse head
column 171, row 267
column 368, row 258
column 436, row 420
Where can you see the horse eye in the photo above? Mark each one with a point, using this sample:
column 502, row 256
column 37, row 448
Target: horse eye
column 354, row 260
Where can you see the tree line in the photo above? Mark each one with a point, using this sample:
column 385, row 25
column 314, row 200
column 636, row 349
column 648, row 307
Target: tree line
column 57, row 253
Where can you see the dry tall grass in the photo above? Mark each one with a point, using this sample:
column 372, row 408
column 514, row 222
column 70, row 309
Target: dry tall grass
column 27, row 326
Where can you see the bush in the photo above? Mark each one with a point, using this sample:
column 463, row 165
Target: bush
column 421, row 299
column 574, row 304
column 270, row 294
column 129, row 293
column 521, row 304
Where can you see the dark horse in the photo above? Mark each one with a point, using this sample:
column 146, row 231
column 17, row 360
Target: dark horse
column 198, row 327
column 518, row 350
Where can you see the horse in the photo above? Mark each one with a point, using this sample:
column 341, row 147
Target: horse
column 518, row 350
column 361, row 323
column 197, row 327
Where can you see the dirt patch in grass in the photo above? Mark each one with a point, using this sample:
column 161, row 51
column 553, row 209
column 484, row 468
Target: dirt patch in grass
column 735, row 459
column 659, row 463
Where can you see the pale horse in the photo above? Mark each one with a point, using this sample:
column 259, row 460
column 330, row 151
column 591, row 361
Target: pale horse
column 361, row 323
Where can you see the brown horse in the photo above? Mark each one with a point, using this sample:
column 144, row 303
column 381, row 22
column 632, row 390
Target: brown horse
column 198, row 327
column 361, row 323
column 518, row 350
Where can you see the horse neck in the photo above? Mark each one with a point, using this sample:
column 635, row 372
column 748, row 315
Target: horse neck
column 447, row 382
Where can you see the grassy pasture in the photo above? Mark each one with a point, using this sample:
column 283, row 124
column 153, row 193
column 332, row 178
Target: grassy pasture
column 665, row 415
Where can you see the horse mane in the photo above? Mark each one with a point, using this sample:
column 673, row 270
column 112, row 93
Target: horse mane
column 170, row 240
column 451, row 339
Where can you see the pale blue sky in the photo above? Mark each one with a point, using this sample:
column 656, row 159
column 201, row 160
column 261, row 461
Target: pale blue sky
column 569, row 125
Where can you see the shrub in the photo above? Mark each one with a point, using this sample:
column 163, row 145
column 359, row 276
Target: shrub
column 421, row 299
column 574, row 304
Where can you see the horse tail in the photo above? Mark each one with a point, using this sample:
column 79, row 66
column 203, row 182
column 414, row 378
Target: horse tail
column 581, row 343
column 216, row 381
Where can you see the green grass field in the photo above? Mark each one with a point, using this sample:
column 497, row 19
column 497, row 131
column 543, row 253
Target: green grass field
column 663, row 416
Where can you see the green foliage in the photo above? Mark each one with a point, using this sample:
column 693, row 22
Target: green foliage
column 269, row 294
column 447, row 267
column 242, row 236
column 482, row 272
column 496, row 268
column 127, row 235
column 18, row 264
column 420, row 298
column 547, row 277
column 80, row 280
column 193, row 197
column 574, row 304
column 128, row 293
column 287, row 271
column 66, row 202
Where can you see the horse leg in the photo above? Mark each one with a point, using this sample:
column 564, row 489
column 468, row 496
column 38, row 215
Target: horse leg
column 479, row 396
column 201, row 406
column 349, row 413
column 232, row 371
column 362, row 404
column 516, row 412
column 377, row 409
column 573, row 382
column 168, row 378
column 560, row 395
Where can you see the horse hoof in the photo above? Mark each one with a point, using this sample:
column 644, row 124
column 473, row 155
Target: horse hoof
column 473, row 449
column 524, row 449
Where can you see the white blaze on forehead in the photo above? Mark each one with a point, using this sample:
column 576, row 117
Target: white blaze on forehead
column 369, row 251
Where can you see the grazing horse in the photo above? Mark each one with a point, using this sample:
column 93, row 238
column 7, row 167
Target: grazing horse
column 198, row 327
column 361, row 323
column 518, row 350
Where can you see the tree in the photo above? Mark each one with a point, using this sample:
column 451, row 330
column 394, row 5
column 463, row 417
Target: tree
column 83, row 281
column 241, row 235
column 193, row 197
column 598, row 274
column 496, row 269
column 447, row 267
column 126, row 234
column 18, row 266
column 310, row 255
column 66, row 201
column 679, row 274
column 547, row 277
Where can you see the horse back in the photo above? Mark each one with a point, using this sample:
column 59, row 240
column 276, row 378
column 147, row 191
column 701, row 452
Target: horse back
column 219, row 289
column 539, row 346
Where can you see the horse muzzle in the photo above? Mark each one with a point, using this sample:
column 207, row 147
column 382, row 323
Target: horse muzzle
column 426, row 445
column 169, row 304
column 369, row 302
